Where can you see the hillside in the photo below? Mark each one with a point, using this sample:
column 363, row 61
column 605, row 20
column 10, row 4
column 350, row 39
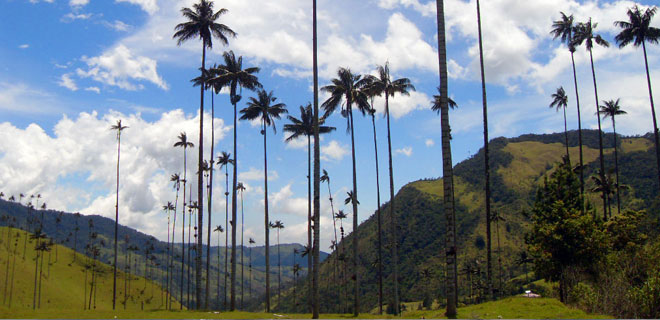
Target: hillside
column 64, row 233
column 66, row 280
column 518, row 166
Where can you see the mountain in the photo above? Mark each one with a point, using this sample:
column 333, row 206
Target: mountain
column 518, row 166
column 62, row 226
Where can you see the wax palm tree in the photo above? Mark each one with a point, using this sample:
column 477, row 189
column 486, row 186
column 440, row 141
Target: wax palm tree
column 183, row 143
column 241, row 188
column 638, row 31
column 317, row 168
column 232, row 75
column 224, row 160
column 611, row 109
column 497, row 217
column 119, row 127
column 349, row 87
column 384, row 85
column 305, row 127
column 564, row 29
column 584, row 33
column 176, row 180
column 342, row 256
column 560, row 101
column 251, row 242
column 267, row 110
column 169, row 207
column 38, row 236
column 326, row 178
column 278, row 225
column 447, row 170
column 219, row 230
column 605, row 184
column 202, row 23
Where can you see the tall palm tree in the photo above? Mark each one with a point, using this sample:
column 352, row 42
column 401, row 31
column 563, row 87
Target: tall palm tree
column 232, row 75
column 606, row 186
column 349, row 87
column 447, row 170
column 317, row 167
column 202, row 23
column 176, row 179
column 119, row 127
column 560, row 101
column 305, row 127
column 326, row 178
column 265, row 108
column 251, row 242
column 219, row 230
column 342, row 256
column 241, row 188
column 278, row 225
column 384, row 85
column 224, row 160
column 372, row 113
column 169, row 207
column 638, row 31
column 611, row 109
column 497, row 217
column 564, row 30
column 584, row 32
column 183, row 143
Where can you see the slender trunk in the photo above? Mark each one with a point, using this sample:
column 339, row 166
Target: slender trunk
column 616, row 169
column 356, row 297
column 499, row 253
column 600, row 137
column 114, row 267
column 309, row 225
column 183, row 230
column 489, row 258
column 250, row 275
column 210, row 197
column 227, row 228
column 447, row 170
column 395, row 238
column 568, row 155
column 36, row 274
column 266, row 225
column 171, row 259
column 219, row 267
column 279, row 269
column 200, row 190
column 317, row 169
column 233, row 219
column 126, row 264
column 242, row 261
column 577, row 100
column 190, row 218
column 13, row 270
column 167, row 267
column 655, row 123
column 380, row 234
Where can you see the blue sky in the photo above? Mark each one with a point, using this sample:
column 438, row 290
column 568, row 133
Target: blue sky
column 71, row 68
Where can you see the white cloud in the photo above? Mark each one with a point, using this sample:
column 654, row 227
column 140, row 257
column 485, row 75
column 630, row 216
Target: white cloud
column 78, row 3
column 118, row 25
column 334, row 151
column 254, row 174
column 298, row 143
column 118, row 66
column 283, row 202
column 150, row 6
column 93, row 89
column 429, row 143
column 48, row 164
column 67, row 82
column 24, row 46
column 407, row 151
column 75, row 16
column 22, row 98
column 403, row 105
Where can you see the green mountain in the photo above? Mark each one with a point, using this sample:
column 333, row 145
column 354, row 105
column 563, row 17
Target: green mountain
column 518, row 166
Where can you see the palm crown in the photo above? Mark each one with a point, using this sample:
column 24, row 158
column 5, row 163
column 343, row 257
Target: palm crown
column 564, row 29
column 225, row 159
column 232, row 75
column 118, row 127
column 265, row 108
column 383, row 84
column 559, row 99
column 610, row 109
column 348, row 87
column 638, row 29
column 305, row 125
column 437, row 103
column 584, row 32
column 202, row 23
column 183, row 141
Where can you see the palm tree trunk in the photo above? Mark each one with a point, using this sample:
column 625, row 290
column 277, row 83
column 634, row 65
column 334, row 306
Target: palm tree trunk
column 448, row 178
column 566, row 135
column 600, row 138
column 36, row 274
column 242, row 261
column 317, row 170
column 395, row 238
column 219, row 269
column 489, row 251
column 266, row 225
column 190, row 218
column 577, row 100
column 616, row 169
column 380, row 234
column 171, row 260
column 356, row 297
column 200, row 189
column 250, row 275
column 655, row 123
column 279, row 269
column 226, row 230
column 114, row 267
column 183, row 230
column 309, row 223
column 210, row 197
column 232, row 301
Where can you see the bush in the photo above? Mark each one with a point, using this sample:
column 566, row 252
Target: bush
column 646, row 298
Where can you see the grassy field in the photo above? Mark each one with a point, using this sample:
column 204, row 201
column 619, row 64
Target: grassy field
column 509, row 308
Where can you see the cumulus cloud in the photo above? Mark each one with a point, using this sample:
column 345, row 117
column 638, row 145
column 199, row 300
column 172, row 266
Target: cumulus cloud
column 117, row 25
column 254, row 174
column 334, row 151
column 149, row 6
column 93, row 89
column 78, row 3
column 48, row 163
column 407, row 151
column 69, row 17
column 67, row 82
column 118, row 66
column 403, row 105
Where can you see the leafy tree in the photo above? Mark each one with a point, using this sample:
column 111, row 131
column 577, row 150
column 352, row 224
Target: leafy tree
column 563, row 239
column 584, row 33
column 202, row 23
column 349, row 87
column 232, row 75
column 638, row 31
column 265, row 109
column 611, row 109
column 564, row 29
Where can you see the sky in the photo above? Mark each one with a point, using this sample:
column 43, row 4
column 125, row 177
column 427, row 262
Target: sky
column 72, row 68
